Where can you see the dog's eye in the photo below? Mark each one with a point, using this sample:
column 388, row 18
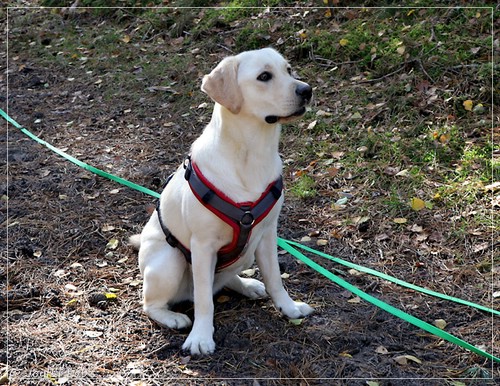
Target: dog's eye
column 265, row 76
column 292, row 73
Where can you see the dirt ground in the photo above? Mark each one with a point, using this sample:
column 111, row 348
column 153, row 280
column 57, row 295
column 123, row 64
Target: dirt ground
column 71, row 288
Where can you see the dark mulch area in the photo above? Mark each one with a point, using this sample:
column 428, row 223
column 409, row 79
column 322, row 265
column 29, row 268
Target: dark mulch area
column 60, row 328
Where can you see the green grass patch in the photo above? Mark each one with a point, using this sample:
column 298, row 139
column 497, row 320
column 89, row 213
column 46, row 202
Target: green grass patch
column 304, row 187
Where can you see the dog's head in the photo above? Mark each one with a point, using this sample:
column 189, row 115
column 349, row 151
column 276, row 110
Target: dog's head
column 258, row 83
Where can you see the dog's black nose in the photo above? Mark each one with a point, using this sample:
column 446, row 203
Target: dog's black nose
column 305, row 92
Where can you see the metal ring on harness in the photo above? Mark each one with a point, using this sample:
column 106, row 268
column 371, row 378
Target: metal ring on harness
column 247, row 219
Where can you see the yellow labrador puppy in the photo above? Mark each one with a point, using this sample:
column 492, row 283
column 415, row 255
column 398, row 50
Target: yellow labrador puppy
column 218, row 213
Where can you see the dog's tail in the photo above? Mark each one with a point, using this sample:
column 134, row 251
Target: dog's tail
column 135, row 241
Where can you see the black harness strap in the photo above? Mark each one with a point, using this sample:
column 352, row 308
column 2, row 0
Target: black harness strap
column 169, row 237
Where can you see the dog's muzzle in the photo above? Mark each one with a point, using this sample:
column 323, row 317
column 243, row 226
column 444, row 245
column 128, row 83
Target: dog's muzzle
column 304, row 91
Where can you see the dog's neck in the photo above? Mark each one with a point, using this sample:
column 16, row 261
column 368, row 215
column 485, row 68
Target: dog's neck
column 245, row 152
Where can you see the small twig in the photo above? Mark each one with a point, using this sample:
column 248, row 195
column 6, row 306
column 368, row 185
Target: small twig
column 225, row 48
column 157, row 350
column 473, row 65
column 419, row 61
column 330, row 63
column 386, row 75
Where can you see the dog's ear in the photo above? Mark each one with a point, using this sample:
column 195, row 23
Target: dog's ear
column 222, row 85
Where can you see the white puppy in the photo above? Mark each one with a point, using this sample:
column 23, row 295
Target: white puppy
column 236, row 159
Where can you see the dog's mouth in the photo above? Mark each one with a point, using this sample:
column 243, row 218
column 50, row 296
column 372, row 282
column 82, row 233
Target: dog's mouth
column 274, row 118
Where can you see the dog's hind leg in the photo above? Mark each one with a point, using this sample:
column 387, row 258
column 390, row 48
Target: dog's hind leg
column 251, row 288
column 164, row 284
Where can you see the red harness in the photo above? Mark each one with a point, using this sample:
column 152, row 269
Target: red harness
column 242, row 217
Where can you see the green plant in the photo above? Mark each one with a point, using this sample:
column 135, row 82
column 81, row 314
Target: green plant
column 304, row 187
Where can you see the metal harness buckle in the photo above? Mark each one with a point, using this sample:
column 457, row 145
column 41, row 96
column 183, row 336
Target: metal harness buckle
column 247, row 219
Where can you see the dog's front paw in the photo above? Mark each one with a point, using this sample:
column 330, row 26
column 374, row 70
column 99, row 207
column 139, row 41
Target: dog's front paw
column 199, row 345
column 296, row 310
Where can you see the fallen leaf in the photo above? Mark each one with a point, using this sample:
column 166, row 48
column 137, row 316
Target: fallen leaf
column 356, row 115
column 61, row 273
column 416, row 228
column 413, row 358
column 93, row 334
column 358, row 220
column 402, row 173
column 341, row 201
column 355, row 272
column 190, row 372
column 445, row 138
column 112, row 244
column 382, row 237
column 108, row 228
column 436, row 236
column 72, row 303
column 403, row 359
column 332, row 171
column 481, row 247
column 321, row 113
column 312, row 125
column 417, row 204
column 421, row 237
column 468, row 105
column 381, row 350
column 400, row 220
column 495, row 186
column 223, row 299
column 248, row 272
column 390, row 171
column 478, row 109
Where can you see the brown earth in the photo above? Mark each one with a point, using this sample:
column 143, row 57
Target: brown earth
column 60, row 328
